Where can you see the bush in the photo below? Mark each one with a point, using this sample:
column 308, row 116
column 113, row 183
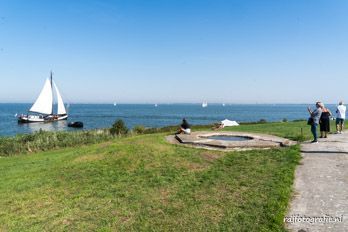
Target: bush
column 119, row 128
column 300, row 120
column 262, row 120
column 285, row 120
column 139, row 129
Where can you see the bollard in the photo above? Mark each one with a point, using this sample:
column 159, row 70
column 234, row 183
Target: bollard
column 301, row 132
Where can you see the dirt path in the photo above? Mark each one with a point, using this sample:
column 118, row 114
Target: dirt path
column 321, row 187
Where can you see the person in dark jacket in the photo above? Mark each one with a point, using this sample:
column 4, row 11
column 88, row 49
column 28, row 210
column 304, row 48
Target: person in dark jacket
column 324, row 121
column 184, row 127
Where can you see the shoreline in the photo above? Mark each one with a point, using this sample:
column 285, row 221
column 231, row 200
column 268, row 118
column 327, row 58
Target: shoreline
column 46, row 140
column 148, row 128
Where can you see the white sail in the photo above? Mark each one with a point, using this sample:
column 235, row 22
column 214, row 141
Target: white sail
column 61, row 107
column 43, row 103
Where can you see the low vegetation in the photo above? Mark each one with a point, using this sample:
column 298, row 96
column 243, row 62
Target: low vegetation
column 119, row 128
column 44, row 140
column 142, row 183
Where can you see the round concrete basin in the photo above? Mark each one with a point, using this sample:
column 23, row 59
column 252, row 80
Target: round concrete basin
column 232, row 140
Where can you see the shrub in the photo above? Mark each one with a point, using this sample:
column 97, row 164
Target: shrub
column 119, row 128
column 299, row 120
column 299, row 138
column 262, row 120
column 285, row 120
column 139, row 129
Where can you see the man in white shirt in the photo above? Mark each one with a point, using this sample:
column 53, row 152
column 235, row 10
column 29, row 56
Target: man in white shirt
column 341, row 116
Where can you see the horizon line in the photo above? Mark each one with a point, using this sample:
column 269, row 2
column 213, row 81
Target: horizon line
column 178, row 103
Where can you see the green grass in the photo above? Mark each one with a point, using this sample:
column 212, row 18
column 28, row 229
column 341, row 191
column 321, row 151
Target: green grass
column 142, row 183
column 296, row 130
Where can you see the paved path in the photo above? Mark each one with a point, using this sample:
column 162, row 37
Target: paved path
column 321, row 185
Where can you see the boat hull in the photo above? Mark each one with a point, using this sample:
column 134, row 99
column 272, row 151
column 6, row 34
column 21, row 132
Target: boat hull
column 75, row 124
column 35, row 119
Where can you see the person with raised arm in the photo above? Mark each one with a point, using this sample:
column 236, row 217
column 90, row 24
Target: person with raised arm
column 315, row 117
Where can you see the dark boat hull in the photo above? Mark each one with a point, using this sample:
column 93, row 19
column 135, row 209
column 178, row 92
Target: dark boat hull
column 45, row 119
column 75, row 124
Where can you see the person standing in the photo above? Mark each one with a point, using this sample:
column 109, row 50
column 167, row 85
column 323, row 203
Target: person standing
column 315, row 115
column 340, row 117
column 324, row 121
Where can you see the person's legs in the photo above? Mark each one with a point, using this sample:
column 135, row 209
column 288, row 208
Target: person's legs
column 314, row 131
column 321, row 128
column 179, row 131
column 339, row 125
column 327, row 128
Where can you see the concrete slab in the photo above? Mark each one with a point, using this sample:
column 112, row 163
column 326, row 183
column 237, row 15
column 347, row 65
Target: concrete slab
column 321, row 186
column 257, row 141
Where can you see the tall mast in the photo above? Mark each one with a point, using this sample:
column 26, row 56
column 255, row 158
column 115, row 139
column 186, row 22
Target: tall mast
column 52, row 93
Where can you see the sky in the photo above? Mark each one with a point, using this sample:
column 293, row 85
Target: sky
column 175, row 51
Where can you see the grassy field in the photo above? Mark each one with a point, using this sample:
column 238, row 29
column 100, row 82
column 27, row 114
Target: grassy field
column 298, row 131
column 142, row 183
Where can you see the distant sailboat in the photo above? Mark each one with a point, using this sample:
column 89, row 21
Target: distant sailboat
column 43, row 106
column 205, row 104
column 115, row 104
column 156, row 105
column 223, row 104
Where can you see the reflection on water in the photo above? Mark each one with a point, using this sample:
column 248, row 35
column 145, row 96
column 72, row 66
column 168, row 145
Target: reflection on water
column 229, row 138
column 49, row 126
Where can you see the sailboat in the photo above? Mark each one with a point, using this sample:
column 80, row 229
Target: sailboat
column 205, row 104
column 43, row 106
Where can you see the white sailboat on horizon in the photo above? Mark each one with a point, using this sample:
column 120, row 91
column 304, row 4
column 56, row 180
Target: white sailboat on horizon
column 43, row 106
column 205, row 104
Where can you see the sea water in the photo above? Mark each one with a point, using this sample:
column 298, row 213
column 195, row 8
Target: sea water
column 103, row 115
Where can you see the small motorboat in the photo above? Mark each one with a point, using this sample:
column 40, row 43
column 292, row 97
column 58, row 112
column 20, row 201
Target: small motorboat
column 75, row 124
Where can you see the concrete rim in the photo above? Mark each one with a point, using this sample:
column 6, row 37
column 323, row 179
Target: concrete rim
column 257, row 141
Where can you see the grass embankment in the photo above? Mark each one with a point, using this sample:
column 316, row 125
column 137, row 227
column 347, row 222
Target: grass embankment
column 144, row 183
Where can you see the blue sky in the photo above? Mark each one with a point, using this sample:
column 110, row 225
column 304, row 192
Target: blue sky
column 175, row 50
